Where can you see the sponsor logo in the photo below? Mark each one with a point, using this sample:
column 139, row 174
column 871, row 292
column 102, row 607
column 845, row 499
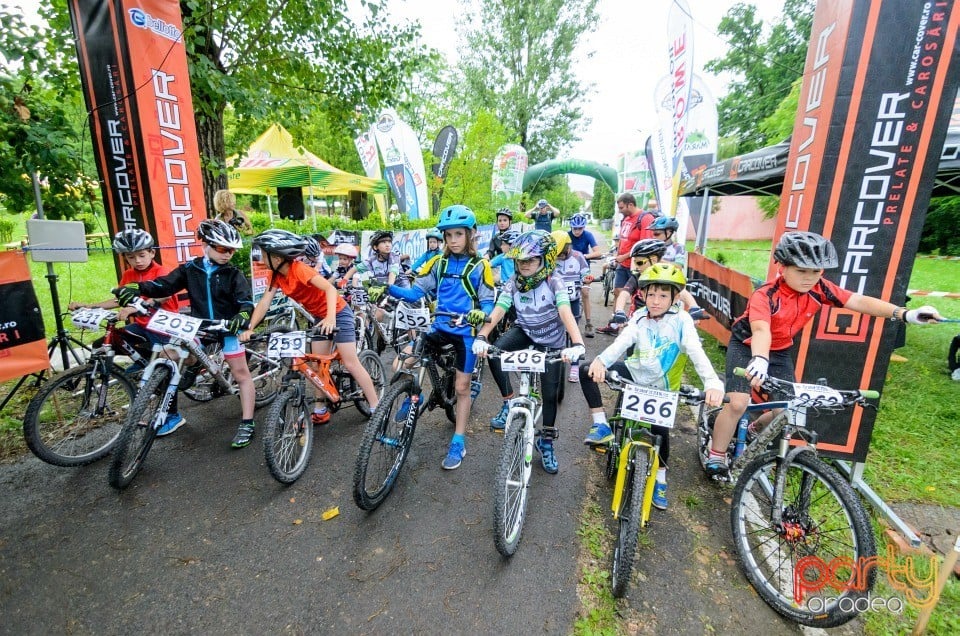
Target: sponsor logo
column 143, row 20
column 386, row 122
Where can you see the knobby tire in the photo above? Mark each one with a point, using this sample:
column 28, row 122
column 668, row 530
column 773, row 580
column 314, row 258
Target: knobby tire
column 628, row 524
column 139, row 431
column 288, row 437
column 510, row 488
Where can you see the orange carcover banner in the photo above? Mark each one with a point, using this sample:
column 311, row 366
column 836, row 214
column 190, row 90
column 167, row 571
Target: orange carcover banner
column 720, row 291
column 133, row 70
column 878, row 88
column 23, row 348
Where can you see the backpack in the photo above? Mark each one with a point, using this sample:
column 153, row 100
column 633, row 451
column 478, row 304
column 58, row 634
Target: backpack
column 474, row 262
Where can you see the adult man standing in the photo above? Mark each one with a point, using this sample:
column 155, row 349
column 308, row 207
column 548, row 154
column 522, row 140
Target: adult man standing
column 584, row 242
column 543, row 216
column 504, row 219
column 634, row 227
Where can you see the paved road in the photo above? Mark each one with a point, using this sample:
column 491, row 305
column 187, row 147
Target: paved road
column 205, row 540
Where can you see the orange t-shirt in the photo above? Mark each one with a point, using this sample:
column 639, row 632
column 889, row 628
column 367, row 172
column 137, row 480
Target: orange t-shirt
column 156, row 270
column 296, row 285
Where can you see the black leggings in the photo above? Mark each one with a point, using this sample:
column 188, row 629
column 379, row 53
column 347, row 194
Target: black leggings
column 513, row 340
column 591, row 393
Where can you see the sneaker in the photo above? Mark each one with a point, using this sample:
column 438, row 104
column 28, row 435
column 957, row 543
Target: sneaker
column 454, row 456
column 547, row 456
column 174, row 421
column 499, row 422
column 588, row 330
column 716, row 467
column 189, row 376
column 660, row 496
column 135, row 368
column 574, row 375
column 403, row 411
column 609, row 330
column 320, row 418
column 244, row 435
column 599, row 435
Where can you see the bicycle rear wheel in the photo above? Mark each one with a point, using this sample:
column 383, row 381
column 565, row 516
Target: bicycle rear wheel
column 823, row 525
column 385, row 444
column 139, row 430
column 628, row 522
column 288, row 436
column 510, row 488
column 607, row 286
column 378, row 373
column 65, row 424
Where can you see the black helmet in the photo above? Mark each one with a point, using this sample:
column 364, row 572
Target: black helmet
column 280, row 242
column 648, row 247
column 132, row 241
column 509, row 237
column 380, row 235
column 311, row 248
column 505, row 212
column 806, row 250
column 215, row 232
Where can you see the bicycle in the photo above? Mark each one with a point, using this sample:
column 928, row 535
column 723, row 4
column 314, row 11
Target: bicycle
column 389, row 433
column 632, row 459
column 288, row 436
column 790, row 508
column 75, row 418
column 608, row 276
column 514, row 465
column 160, row 382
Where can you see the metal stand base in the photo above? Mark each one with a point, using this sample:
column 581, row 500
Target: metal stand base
column 854, row 472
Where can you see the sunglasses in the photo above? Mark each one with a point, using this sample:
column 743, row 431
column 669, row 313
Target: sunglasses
column 642, row 262
column 220, row 249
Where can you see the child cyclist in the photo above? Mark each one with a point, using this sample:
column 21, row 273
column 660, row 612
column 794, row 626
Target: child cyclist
column 762, row 337
column 573, row 269
column 281, row 250
column 464, row 285
column 544, row 320
column 663, row 229
column 137, row 248
column 217, row 291
column 346, row 255
column 662, row 337
column 584, row 242
column 503, row 266
column 434, row 242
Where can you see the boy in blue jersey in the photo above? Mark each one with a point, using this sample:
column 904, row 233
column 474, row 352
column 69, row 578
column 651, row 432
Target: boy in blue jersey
column 583, row 241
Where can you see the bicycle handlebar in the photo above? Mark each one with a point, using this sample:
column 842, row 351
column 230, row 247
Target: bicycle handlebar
column 688, row 394
column 772, row 383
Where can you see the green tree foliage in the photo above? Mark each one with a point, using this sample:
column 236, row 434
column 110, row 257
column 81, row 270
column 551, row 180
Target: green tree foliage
column 603, row 201
column 470, row 175
column 517, row 62
column 940, row 228
column 764, row 63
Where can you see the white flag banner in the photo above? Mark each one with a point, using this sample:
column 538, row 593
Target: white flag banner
column 680, row 56
column 366, row 144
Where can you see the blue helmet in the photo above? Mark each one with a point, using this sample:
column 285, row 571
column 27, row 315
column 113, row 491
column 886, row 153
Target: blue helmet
column 435, row 234
column 457, row 216
column 577, row 221
column 665, row 223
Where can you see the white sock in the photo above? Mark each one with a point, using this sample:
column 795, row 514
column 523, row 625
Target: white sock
column 662, row 475
column 599, row 418
column 320, row 409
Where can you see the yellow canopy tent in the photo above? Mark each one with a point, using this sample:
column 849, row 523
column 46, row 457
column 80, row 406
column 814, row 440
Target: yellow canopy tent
column 272, row 161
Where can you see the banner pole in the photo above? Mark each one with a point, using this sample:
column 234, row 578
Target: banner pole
column 704, row 226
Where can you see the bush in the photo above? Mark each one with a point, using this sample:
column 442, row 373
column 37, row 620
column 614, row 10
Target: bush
column 940, row 228
column 6, row 230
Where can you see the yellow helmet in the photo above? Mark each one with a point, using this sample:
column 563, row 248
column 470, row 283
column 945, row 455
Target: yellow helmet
column 562, row 239
column 663, row 274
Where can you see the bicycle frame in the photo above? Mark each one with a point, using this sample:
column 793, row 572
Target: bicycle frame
column 321, row 377
column 634, row 445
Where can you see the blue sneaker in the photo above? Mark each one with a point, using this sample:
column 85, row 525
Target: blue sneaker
column 135, row 368
column 454, row 456
column 547, row 456
column 660, row 496
column 174, row 421
column 499, row 422
column 599, row 435
column 717, row 468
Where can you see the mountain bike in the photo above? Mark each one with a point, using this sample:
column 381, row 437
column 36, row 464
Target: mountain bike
column 608, row 275
column 288, row 436
column 793, row 515
column 75, row 419
column 514, row 465
column 632, row 459
column 161, row 380
column 389, row 433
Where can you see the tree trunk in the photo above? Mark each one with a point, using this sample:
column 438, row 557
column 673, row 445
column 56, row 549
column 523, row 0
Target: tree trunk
column 212, row 153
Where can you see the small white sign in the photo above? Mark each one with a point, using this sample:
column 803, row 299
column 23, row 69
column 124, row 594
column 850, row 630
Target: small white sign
column 523, row 360
column 287, row 345
column 410, row 317
column 653, row 406
column 175, row 325
column 817, row 393
column 89, row 317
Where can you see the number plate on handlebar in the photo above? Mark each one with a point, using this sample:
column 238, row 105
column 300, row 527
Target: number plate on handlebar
column 643, row 404
column 175, row 325
column 410, row 317
column 89, row 318
column 817, row 393
column 525, row 360
column 287, row 345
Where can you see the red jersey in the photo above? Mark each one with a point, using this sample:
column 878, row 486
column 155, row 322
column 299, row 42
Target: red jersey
column 155, row 270
column 296, row 285
column 632, row 229
column 786, row 310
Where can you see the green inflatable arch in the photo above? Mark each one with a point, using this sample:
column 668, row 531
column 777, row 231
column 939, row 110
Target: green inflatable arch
column 565, row 166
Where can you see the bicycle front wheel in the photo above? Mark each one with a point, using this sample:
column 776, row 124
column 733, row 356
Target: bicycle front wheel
column 76, row 418
column 510, row 488
column 139, row 429
column 288, row 437
column 373, row 365
column 628, row 522
column 824, row 527
column 385, row 444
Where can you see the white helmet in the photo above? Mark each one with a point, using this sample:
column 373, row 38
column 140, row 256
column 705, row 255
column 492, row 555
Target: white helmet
column 214, row 232
column 345, row 249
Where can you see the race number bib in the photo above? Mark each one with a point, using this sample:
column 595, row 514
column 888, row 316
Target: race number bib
column 175, row 325
column 287, row 345
column 410, row 317
column 89, row 318
column 816, row 393
column 572, row 290
column 643, row 404
column 524, row 360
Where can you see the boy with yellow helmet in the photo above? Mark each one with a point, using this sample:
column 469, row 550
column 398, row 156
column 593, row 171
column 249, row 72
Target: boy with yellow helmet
column 572, row 268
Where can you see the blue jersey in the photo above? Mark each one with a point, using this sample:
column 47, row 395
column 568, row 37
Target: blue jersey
column 506, row 265
column 583, row 243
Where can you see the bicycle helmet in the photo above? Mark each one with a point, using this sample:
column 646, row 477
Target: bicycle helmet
column 457, row 216
column 562, row 239
column 648, row 247
column 345, row 249
column 806, row 250
column 578, row 221
column 281, row 242
column 215, row 232
column 380, row 236
column 542, row 203
column 509, row 237
column 665, row 223
column 311, row 248
column 663, row 274
column 435, row 234
column 532, row 244
column 132, row 241
column 505, row 212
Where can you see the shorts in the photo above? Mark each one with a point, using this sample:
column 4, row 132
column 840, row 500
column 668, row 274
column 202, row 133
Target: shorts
column 462, row 346
column 738, row 355
column 346, row 327
column 575, row 308
column 621, row 277
column 232, row 347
